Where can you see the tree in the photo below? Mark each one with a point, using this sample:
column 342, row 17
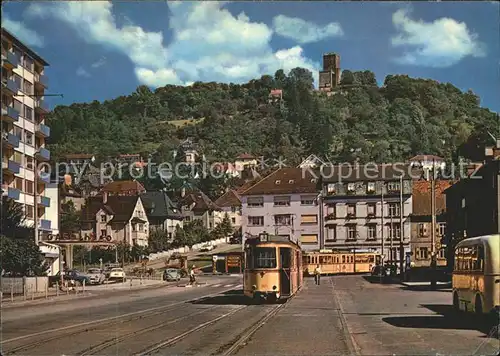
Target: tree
column 158, row 241
column 70, row 217
column 21, row 257
column 13, row 220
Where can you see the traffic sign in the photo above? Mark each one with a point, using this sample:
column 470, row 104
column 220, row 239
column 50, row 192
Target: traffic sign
column 214, row 257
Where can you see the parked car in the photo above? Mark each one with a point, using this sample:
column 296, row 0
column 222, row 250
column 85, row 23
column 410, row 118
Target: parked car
column 172, row 274
column 96, row 276
column 117, row 274
column 235, row 240
column 206, row 248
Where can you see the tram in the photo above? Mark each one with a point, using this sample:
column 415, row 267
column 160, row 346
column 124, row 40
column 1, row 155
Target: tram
column 273, row 268
column 336, row 262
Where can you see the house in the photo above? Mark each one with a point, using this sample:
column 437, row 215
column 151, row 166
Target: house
column 230, row 204
column 421, row 222
column 116, row 218
column 427, row 163
column 76, row 162
column 312, row 161
column 283, row 203
column 245, row 160
column 196, row 205
column 228, row 170
column 189, row 150
column 123, row 187
column 162, row 213
column 365, row 205
column 275, row 95
column 69, row 192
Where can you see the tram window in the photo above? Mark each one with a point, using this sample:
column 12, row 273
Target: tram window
column 264, row 257
column 343, row 258
column 249, row 258
column 285, row 257
column 371, row 259
column 329, row 260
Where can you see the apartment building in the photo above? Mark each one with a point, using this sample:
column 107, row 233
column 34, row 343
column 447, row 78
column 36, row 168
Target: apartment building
column 283, row 203
column 365, row 205
column 24, row 132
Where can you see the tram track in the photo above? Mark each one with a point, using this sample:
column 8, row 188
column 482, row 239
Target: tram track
column 89, row 326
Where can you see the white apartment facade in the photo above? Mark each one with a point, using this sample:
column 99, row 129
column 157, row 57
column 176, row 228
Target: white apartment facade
column 24, row 132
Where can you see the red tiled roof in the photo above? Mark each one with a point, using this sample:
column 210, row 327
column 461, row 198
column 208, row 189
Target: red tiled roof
column 124, row 187
column 276, row 92
column 201, row 201
column 288, row 180
column 422, row 197
column 229, row 199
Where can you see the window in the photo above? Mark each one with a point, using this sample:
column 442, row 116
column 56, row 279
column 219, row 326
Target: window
column 28, row 113
column 308, row 219
column 442, row 253
column 27, row 87
column 103, row 232
column 393, row 186
column 282, row 201
column 18, row 183
column 422, row 230
column 141, row 227
column 28, row 138
column 264, row 257
column 307, row 200
column 331, row 233
column 28, row 63
column 18, row 157
column 233, row 220
column 371, row 209
column 134, row 227
column 331, row 188
column 29, row 210
column 256, row 221
column 372, row 232
column 19, row 54
column 442, row 229
column 283, row 219
column 394, row 209
column 351, row 232
column 351, row 210
column 309, row 239
column 18, row 106
column 233, row 209
column 351, row 187
column 255, row 202
column 19, row 82
column 370, row 187
column 395, row 231
column 29, row 163
column 29, row 187
column 103, row 218
column 422, row 253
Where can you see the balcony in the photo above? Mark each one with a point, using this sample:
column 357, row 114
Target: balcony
column 5, row 189
column 43, row 201
column 43, row 154
column 13, row 193
column 41, row 80
column 11, row 167
column 45, row 225
column 41, row 106
column 44, row 177
column 42, row 130
column 10, row 87
column 9, row 60
column 10, row 140
column 9, row 114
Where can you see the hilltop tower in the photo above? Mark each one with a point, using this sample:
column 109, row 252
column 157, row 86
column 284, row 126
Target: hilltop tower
column 329, row 77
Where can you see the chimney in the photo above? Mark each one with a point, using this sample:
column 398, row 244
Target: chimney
column 104, row 197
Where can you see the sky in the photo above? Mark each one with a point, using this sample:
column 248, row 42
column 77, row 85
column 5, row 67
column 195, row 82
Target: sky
column 98, row 50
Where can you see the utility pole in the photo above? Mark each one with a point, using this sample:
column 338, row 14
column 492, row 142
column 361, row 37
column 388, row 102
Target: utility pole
column 383, row 227
column 433, row 227
column 401, row 227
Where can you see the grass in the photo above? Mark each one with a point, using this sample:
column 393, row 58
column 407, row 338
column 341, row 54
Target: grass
column 181, row 123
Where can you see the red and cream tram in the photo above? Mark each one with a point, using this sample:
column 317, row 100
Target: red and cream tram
column 334, row 262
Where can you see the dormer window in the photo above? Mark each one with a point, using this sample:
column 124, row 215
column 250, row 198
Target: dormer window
column 370, row 188
column 103, row 218
column 277, row 182
column 331, row 188
column 351, row 187
column 291, row 181
column 314, row 180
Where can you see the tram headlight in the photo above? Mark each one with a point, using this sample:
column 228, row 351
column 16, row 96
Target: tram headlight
column 274, row 287
column 254, row 287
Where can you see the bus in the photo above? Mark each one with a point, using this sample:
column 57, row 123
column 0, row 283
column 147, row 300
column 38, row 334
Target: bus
column 273, row 268
column 476, row 275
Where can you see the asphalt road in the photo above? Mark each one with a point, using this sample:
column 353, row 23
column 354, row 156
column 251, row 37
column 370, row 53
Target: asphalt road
column 344, row 315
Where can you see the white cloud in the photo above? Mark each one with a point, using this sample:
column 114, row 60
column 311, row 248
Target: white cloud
column 304, row 31
column 24, row 34
column 81, row 72
column 99, row 63
column 441, row 43
column 208, row 42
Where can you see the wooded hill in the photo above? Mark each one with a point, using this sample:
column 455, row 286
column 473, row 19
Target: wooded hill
column 403, row 118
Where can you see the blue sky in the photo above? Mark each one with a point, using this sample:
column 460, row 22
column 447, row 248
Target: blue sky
column 100, row 50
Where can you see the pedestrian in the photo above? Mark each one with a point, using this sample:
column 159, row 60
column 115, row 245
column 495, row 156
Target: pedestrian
column 317, row 275
column 191, row 275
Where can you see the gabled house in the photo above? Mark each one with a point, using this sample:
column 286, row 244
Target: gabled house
column 196, row 205
column 123, row 187
column 283, row 203
column 162, row 213
column 230, row 204
column 312, row 161
column 115, row 218
column 245, row 160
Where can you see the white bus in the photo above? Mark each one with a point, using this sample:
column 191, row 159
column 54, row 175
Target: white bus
column 476, row 275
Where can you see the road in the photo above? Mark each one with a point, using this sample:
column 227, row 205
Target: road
column 344, row 315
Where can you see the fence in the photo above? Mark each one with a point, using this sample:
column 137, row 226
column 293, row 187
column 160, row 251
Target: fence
column 18, row 285
column 196, row 247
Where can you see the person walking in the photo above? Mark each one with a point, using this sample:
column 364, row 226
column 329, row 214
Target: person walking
column 317, row 275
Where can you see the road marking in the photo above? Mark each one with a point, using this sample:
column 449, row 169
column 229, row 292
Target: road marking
column 228, row 285
column 107, row 319
column 215, row 285
column 239, row 286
